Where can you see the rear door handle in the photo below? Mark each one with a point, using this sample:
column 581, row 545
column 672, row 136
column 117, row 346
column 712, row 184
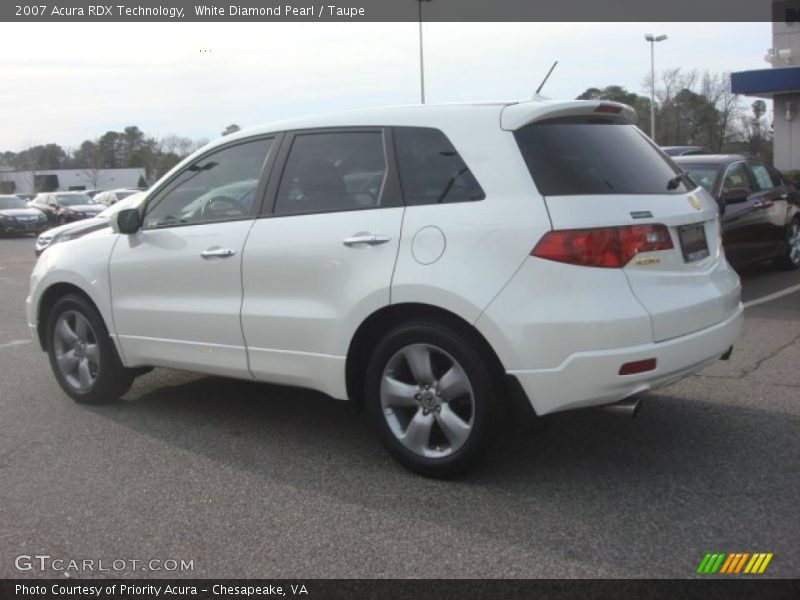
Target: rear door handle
column 218, row 253
column 372, row 240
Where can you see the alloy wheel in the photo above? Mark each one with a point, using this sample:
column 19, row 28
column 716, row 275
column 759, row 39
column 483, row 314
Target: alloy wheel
column 427, row 400
column 76, row 351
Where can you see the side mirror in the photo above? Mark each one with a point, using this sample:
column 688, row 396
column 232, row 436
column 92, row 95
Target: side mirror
column 736, row 196
column 126, row 221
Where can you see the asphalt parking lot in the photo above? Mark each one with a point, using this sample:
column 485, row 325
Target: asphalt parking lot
column 251, row 480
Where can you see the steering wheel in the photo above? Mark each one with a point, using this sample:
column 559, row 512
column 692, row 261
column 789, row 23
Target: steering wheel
column 221, row 207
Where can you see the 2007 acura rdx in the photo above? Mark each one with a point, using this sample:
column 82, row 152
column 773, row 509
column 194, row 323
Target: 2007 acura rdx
column 425, row 262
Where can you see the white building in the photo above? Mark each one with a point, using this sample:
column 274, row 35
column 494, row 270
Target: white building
column 30, row 182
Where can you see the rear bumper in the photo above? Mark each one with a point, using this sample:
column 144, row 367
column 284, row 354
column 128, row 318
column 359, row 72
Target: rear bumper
column 592, row 378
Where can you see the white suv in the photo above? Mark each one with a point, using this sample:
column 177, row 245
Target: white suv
column 427, row 263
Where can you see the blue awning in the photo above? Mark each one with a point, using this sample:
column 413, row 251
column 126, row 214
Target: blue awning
column 766, row 82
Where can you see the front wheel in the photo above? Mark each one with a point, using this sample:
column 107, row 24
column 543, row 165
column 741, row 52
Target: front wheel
column 82, row 355
column 431, row 399
column 790, row 259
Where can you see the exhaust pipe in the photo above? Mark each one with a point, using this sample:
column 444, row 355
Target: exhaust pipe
column 629, row 407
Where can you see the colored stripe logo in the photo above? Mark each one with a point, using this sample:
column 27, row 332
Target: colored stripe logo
column 734, row 563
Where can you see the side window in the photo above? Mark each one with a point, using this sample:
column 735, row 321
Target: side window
column 431, row 170
column 736, row 177
column 217, row 187
column 333, row 171
column 761, row 175
column 51, row 200
column 777, row 180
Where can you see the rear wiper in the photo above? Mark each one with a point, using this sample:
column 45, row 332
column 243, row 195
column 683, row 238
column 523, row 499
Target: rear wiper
column 675, row 181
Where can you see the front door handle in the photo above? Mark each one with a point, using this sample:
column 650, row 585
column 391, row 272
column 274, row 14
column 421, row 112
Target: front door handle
column 218, row 253
column 367, row 238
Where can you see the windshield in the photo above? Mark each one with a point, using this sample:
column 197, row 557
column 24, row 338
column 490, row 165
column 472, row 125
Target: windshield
column 73, row 199
column 595, row 156
column 704, row 175
column 131, row 201
column 11, row 202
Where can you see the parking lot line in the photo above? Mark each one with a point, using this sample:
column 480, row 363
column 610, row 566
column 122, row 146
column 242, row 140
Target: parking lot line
column 14, row 343
column 775, row 296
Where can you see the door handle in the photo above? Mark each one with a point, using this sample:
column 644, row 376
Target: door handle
column 372, row 240
column 218, row 253
column 763, row 204
column 784, row 196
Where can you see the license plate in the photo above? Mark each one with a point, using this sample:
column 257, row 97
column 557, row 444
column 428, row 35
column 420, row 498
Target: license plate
column 30, row 227
column 693, row 242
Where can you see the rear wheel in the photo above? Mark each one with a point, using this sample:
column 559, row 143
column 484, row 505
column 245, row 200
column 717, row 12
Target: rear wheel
column 790, row 259
column 431, row 399
column 82, row 355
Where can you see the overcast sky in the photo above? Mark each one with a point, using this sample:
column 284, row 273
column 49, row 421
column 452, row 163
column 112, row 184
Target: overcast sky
column 65, row 84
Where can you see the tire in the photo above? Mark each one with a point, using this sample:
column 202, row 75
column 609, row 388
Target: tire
column 790, row 259
column 82, row 355
column 446, row 428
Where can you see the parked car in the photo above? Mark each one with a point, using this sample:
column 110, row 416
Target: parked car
column 76, row 229
column 110, row 197
column 759, row 207
column 431, row 264
column 16, row 217
column 65, row 207
column 683, row 150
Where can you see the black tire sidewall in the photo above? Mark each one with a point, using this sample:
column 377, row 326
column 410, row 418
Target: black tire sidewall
column 486, row 414
column 112, row 379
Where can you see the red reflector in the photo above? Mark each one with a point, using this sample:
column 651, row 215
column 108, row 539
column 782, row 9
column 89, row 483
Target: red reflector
column 608, row 108
column 609, row 247
column 639, row 366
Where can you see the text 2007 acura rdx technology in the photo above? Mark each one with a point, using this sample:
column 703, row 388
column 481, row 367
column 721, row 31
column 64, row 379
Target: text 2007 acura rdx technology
column 427, row 263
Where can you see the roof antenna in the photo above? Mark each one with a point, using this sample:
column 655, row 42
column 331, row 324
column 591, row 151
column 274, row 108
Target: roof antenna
column 546, row 77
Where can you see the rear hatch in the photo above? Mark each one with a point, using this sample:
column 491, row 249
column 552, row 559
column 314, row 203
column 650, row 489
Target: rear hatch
column 615, row 201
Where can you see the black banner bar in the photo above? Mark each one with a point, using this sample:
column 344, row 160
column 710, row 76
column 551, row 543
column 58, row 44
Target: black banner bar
column 406, row 589
column 401, row 10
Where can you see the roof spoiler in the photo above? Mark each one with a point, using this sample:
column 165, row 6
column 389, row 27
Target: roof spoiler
column 515, row 116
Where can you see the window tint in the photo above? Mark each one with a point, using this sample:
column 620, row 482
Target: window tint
column 595, row 156
column 761, row 175
column 736, row 177
column 218, row 187
column 333, row 171
column 431, row 170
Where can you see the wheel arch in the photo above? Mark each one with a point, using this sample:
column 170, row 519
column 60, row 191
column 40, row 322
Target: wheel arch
column 48, row 299
column 380, row 322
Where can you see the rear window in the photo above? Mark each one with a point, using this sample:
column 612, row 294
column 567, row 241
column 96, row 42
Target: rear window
column 593, row 156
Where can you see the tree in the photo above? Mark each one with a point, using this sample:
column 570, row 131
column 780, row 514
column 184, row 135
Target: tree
column 232, row 128
column 89, row 158
column 695, row 108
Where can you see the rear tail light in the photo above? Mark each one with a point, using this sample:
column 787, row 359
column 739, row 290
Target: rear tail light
column 609, row 247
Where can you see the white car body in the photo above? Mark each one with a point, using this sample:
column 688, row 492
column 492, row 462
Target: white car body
column 288, row 304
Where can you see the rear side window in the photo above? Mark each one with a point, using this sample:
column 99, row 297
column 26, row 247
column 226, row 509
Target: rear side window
column 327, row 172
column 594, row 156
column 431, row 170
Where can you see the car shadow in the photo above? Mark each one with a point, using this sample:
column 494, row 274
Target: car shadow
column 682, row 465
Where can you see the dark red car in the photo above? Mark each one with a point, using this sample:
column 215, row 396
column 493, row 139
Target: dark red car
column 65, row 207
column 759, row 207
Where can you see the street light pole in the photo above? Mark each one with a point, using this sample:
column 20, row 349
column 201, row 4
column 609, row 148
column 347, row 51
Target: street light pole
column 421, row 61
column 653, row 39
